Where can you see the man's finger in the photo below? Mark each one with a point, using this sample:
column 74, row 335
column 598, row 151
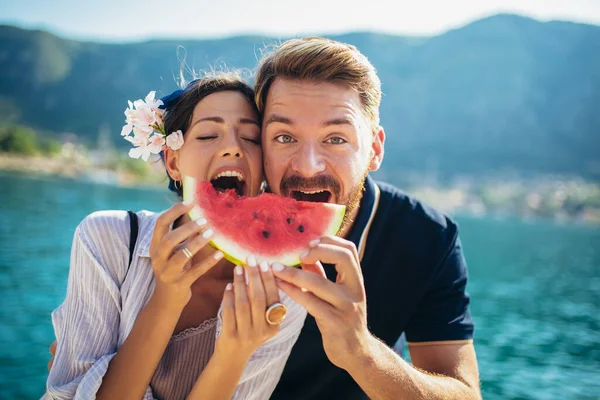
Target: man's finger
column 164, row 221
column 320, row 286
column 347, row 267
column 316, row 268
column 338, row 241
column 314, row 305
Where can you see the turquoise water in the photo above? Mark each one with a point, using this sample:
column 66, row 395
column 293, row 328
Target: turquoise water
column 535, row 289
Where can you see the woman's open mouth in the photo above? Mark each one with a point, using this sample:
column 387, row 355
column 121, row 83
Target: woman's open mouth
column 230, row 179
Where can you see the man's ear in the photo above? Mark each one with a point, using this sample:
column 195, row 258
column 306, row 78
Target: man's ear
column 377, row 149
column 171, row 163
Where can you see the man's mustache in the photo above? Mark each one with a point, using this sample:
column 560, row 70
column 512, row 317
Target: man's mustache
column 295, row 182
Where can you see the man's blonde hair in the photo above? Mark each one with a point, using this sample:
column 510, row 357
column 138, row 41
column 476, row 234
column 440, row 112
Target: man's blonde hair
column 321, row 60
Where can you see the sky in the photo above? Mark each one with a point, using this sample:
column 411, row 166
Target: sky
column 134, row 20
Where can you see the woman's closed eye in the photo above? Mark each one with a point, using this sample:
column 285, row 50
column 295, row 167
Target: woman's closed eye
column 206, row 137
column 252, row 140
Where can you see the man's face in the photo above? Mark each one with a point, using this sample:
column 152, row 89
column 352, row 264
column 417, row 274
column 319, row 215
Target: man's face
column 317, row 143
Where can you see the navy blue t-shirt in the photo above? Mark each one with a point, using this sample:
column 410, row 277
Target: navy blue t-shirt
column 415, row 276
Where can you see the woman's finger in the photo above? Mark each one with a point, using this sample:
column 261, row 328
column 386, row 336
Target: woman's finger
column 256, row 292
column 181, row 257
column 228, row 311
column 200, row 268
column 242, row 304
column 172, row 239
column 268, row 280
column 164, row 222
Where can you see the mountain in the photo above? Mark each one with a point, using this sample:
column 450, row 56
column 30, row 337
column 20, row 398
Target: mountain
column 505, row 93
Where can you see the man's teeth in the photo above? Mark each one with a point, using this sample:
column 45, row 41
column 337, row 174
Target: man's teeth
column 311, row 192
column 236, row 174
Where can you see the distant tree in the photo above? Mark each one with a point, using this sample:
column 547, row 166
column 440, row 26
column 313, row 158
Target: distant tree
column 19, row 140
column 50, row 147
column 135, row 167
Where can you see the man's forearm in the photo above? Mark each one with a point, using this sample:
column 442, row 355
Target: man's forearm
column 384, row 375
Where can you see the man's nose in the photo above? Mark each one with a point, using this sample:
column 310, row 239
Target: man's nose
column 232, row 147
column 308, row 162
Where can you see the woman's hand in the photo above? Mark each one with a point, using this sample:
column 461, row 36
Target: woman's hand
column 174, row 271
column 245, row 327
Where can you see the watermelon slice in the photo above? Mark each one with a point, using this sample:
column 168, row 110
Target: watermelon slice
column 270, row 227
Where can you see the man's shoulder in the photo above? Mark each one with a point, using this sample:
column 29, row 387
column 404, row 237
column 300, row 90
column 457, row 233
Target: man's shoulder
column 407, row 212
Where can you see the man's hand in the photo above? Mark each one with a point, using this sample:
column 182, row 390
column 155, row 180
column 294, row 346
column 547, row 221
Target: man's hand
column 52, row 353
column 450, row 371
column 339, row 308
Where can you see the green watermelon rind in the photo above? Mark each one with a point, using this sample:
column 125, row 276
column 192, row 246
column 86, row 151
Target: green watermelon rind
column 235, row 253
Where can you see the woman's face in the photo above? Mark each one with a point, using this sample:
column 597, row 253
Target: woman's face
column 221, row 145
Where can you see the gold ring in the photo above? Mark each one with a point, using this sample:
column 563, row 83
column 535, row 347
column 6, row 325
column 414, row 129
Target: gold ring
column 275, row 313
column 187, row 253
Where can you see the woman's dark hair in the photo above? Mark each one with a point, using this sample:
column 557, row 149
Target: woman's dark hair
column 179, row 106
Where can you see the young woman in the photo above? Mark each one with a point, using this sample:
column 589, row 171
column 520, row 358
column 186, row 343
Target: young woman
column 168, row 323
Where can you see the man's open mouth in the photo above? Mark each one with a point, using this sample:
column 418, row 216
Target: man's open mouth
column 317, row 196
column 229, row 179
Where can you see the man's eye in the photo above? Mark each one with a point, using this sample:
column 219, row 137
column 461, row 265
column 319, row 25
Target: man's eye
column 251, row 140
column 335, row 140
column 284, row 139
column 205, row 137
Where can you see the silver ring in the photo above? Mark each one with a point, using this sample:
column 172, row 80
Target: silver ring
column 187, row 253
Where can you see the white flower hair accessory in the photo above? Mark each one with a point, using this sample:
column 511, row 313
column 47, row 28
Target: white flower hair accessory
column 145, row 119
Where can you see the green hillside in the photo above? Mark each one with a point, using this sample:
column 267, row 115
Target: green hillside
column 505, row 93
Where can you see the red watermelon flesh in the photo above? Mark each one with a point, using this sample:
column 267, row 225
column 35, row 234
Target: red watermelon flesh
column 270, row 227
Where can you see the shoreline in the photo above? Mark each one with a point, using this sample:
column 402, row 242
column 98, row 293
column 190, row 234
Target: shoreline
column 76, row 169
column 456, row 202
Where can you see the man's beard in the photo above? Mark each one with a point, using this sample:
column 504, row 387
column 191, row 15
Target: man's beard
column 327, row 182
column 352, row 203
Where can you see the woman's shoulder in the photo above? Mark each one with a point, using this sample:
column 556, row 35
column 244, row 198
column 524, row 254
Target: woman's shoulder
column 100, row 224
column 104, row 236
column 113, row 220
column 109, row 230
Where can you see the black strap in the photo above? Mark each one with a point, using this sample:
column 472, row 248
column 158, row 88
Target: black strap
column 133, row 224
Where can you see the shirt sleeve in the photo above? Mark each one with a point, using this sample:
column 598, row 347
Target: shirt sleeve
column 443, row 313
column 86, row 324
column 265, row 366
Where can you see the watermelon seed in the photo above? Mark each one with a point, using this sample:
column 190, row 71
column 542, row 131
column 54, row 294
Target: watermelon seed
column 289, row 220
column 266, row 234
column 300, row 228
column 254, row 214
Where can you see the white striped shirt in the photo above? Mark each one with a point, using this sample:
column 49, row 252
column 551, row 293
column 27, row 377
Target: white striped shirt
column 99, row 312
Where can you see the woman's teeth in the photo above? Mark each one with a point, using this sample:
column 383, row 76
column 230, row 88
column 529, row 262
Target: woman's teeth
column 235, row 174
